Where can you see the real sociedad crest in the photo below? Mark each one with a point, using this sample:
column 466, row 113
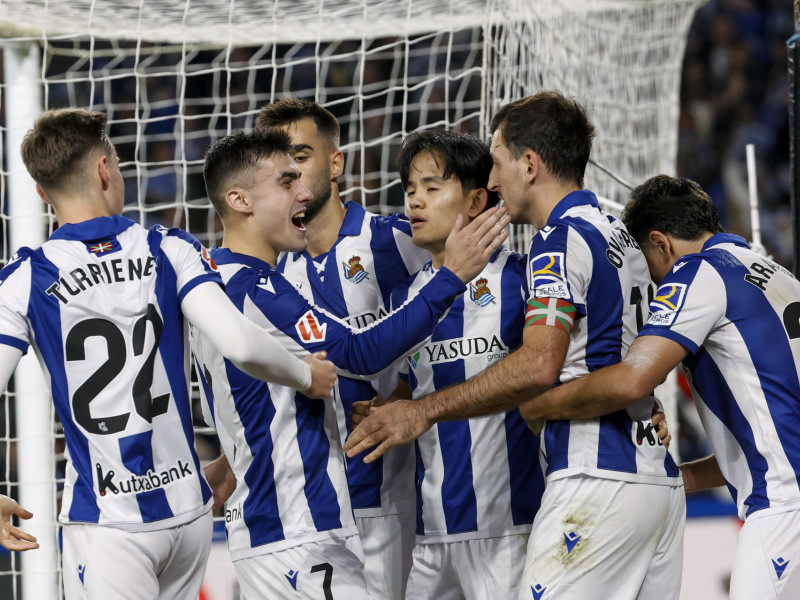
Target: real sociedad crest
column 479, row 293
column 353, row 270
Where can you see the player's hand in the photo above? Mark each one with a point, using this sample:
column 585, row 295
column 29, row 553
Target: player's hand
column 362, row 409
column 396, row 423
column 468, row 248
column 323, row 375
column 12, row 538
column 659, row 421
column 222, row 480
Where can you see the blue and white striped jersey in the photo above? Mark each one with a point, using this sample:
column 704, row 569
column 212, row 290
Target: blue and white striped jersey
column 738, row 315
column 353, row 281
column 480, row 477
column 586, row 258
column 100, row 303
column 284, row 448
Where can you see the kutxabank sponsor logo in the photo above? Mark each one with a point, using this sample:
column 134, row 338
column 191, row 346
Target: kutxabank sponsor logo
column 136, row 484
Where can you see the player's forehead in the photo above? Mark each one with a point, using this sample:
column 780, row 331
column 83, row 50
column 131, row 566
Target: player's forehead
column 498, row 147
column 274, row 167
column 426, row 166
column 304, row 133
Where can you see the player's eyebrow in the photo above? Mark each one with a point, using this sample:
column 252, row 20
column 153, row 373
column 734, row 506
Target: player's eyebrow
column 302, row 147
column 431, row 178
column 287, row 175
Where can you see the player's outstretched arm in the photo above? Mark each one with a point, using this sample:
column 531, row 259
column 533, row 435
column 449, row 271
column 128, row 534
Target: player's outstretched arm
column 12, row 538
column 251, row 348
column 701, row 474
column 469, row 247
column 648, row 362
column 525, row 372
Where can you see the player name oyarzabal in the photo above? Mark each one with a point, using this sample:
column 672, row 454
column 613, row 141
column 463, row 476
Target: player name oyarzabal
column 107, row 271
column 141, row 483
column 463, row 347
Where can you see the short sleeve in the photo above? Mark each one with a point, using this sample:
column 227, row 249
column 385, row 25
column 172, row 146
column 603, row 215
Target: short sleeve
column 191, row 261
column 687, row 305
column 15, row 288
column 559, row 266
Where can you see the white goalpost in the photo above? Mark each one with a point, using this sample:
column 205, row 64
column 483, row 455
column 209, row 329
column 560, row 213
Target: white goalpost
column 176, row 75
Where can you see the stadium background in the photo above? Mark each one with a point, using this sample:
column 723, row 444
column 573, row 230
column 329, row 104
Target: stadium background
column 733, row 92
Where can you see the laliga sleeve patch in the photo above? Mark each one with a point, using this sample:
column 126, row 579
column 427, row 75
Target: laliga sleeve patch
column 550, row 311
column 309, row 329
column 667, row 304
column 547, row 276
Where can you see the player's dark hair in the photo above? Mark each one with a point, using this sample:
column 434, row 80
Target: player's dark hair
column 557, row 128
column 459, row 155
column 232, row 161
column 674, row 206
column 59, row 141
column 287, row 111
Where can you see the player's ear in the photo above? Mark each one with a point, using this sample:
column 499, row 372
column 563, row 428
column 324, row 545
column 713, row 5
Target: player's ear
column 532, row 164
column 336, row 163
column 102, row 171
column 479, row 197
column 660, row 243
column 42, row 195
column 238, row 201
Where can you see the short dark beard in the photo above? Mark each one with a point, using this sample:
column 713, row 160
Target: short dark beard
column 320, row 198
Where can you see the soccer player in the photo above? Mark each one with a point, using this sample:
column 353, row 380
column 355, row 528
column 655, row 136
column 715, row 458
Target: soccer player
column 478, row 483
column 353, row 260
column 612, row 513
column 13, row 538
column 732, row 317
column 290, row 524
column 104, row 303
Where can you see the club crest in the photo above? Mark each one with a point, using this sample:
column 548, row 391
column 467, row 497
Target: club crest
column 353, row 271
column 480, row 293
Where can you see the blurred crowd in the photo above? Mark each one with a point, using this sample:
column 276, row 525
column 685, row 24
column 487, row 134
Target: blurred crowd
column 734, row 93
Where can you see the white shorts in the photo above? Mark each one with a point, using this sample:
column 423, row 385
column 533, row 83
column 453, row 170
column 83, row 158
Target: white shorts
column 332, row 568
column 102, row 562
column 388, row 541
column 767, row 554
column 592, row 535
column 483, row 569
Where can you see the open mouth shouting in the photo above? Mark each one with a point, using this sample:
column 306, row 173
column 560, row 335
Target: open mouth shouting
column 297, row 219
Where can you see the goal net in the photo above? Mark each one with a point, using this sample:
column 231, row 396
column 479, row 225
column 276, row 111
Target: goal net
column 176, row 75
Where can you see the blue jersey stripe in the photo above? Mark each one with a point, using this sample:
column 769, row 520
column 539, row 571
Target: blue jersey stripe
column 616, row 451
column 386, row 258
column 419, row 478
column 44, row 313
column 314, row 450
column 203, row 378
column 527, row 481
column 136, row 452
column 172, row 349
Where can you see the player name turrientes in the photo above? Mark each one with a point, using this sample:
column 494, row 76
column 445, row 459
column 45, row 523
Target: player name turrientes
column 108, row 271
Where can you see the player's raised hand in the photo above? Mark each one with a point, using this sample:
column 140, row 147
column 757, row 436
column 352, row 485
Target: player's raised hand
column 323, row 375
column 469, row 247
column 395, row 423
column 12, row 538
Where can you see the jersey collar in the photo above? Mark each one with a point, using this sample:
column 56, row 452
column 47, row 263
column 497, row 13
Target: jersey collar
column 577, row 198
column 724, row 238
column 351, row 225
column 224, row 256
column 93, row 229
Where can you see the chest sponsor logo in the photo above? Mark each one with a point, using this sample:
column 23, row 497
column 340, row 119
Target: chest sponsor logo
column 449, row 350
column 309, row 329
column 480, row 293
column 353, row 271
column 365, row 319
column 547, row 276
column 665, row 306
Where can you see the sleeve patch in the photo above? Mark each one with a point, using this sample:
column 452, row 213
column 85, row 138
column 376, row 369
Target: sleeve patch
column 668, row 302
column 547, row 276
column 309, row 329
column 550, row 311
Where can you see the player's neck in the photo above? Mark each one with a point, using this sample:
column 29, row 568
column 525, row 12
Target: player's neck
column 77, row 210
column 437, row 256
column 323, row 230
column 251, row 245
column 546, row 200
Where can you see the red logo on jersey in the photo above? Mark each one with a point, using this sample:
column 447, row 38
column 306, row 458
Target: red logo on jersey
column 207, row 257
column 309, row 330
column 100, row 247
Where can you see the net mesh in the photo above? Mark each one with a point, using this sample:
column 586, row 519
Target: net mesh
column 176, row 75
